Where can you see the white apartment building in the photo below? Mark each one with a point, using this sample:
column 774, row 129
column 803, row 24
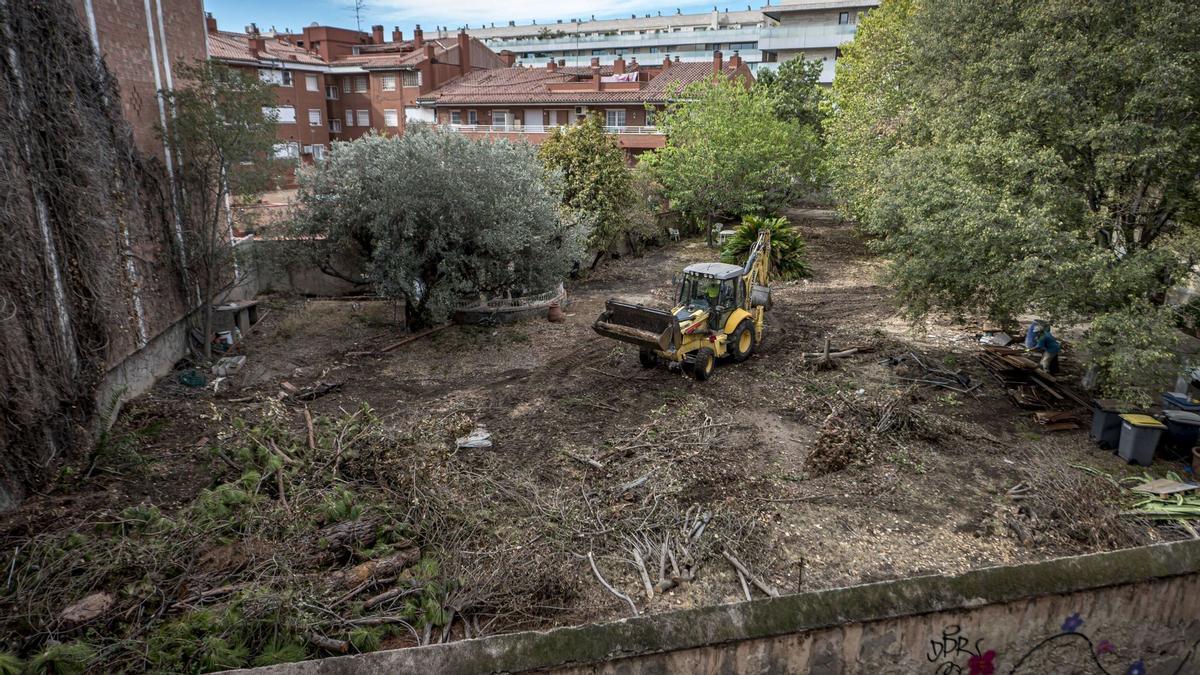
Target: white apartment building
column 761, row 37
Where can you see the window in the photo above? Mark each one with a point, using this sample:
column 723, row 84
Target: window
column 390, row 118
column 501, row 118
column 614, row 118
column 286, row 150
column 412, row 78
column 335, row 126
column 360, row 84
column 318, row 151
column 742, row 45
column 472, row 117
column 314, row 117
column 285, row 114
column 455, row 117
column 388, row 82
column 364, row 118
column 311, row 83
column 843, row 18
column 599, row 52
column 346, row 84
column 281, row 78
column 331, row 93
column 349, row 118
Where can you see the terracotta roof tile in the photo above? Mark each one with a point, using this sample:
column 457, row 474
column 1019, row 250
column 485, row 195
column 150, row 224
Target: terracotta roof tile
column 226, row 46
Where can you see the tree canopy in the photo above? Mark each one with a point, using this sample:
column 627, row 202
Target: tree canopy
column 1035, row 157
column 441, row 218
column 727, row 153
column 598, row 185
column 795, row 91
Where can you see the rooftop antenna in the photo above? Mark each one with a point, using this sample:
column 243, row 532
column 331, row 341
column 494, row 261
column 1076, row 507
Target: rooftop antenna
column 359, row 6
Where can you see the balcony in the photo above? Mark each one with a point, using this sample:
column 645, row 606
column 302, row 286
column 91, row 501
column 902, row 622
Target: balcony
column 627, row 41
column 655, row 59
column 632, row 138
column 805, row 36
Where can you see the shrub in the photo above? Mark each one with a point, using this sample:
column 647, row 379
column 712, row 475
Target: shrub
column 787, row 246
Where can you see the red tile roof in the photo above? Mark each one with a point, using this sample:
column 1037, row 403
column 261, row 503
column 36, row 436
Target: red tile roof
column 529, row 85
column 226, row 46
column 398, row 54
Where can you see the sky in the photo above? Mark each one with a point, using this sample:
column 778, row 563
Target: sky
column 295, row 14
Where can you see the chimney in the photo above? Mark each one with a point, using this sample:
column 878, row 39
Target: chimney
column 397, row 36
column 717, row 65
column 619, row 65
column 595, row 73
column 562, row 63
column 210, row 22
column 429, row 51
column 257, row 44
column 508, row 58
column 666, row 61
column 595, row 62
column 633, row 65
column 735, row 61
column 418, row 37
column 464, row 53
column 551, row 66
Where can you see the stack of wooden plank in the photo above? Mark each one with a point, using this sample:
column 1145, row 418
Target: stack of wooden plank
column 1027, row 386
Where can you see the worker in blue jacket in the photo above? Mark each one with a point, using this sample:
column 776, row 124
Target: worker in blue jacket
column 1048, row 345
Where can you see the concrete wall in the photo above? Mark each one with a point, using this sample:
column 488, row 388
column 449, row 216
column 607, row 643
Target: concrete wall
column 1139, row 606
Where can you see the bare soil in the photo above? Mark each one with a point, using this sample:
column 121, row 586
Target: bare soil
column 924, row 488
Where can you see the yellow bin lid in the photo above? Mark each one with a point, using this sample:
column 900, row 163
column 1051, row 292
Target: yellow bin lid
column 1143, row 421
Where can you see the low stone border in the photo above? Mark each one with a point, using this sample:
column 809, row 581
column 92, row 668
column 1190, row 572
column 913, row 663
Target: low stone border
column 770, row 617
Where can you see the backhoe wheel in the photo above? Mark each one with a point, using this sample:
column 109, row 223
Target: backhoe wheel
column 647, row 358
column 704, row 365
column 742, row 342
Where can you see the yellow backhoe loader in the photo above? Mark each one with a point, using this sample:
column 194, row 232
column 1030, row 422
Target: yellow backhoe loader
column 718, row 314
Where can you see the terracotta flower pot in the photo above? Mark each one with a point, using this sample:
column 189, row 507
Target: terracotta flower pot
column 555, row 314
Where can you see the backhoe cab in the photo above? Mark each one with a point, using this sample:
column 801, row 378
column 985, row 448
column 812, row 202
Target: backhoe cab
column 718, row 314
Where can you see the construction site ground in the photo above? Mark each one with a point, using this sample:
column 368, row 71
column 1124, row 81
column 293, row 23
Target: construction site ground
column 812, row 477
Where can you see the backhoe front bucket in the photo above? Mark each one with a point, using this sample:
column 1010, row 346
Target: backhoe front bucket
column 642, row 326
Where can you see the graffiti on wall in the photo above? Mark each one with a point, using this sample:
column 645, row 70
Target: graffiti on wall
column 956, row 653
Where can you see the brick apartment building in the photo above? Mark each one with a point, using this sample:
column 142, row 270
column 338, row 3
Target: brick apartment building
column 338, row 84
column 527, row 103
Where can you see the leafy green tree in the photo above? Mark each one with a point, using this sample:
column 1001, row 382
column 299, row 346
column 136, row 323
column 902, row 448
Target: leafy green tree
column 598, row 184
column 224, row 143
column 727, row 153
column 872, row 104
column 1030, row 157
column 441, row 218
column 787, row 246
column 796, row 92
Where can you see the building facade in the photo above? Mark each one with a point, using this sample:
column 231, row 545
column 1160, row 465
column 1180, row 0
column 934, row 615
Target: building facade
column 762, row 38
column 528, row 103
column 337, row 84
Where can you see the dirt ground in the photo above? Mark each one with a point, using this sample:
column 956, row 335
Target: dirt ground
column 921, row 485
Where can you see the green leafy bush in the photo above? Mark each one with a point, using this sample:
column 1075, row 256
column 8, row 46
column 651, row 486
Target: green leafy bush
column 788, row 260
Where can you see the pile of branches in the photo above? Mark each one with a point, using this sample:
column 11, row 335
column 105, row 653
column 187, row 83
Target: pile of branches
column 1057, row 505
column 309, row 545
column 857, row 428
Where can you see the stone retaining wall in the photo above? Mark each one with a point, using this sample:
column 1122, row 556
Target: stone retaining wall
column 1109, row 612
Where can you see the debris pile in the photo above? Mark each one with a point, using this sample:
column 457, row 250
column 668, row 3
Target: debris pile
column 1027, row 386
column 912, row 368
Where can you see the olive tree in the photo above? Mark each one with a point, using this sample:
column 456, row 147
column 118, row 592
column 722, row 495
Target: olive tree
column 441, row 218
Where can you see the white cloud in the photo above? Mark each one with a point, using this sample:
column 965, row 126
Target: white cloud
column 485, row 12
